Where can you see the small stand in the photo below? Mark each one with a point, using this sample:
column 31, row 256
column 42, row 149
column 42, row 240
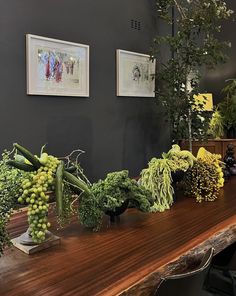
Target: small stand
column 26, row 244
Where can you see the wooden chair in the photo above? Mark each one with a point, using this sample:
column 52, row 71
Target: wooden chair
column 186, row 284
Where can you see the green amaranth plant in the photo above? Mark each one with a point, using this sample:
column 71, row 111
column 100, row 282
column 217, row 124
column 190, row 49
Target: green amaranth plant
column 193, row 47
column 157, row 177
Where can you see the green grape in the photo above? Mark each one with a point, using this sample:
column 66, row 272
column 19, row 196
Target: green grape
column 34, row 192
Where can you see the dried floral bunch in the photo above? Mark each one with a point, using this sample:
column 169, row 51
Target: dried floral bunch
column 214, row 160
column 201, row 181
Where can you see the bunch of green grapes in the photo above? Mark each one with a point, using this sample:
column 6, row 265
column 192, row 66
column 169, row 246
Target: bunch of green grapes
column 35, row 193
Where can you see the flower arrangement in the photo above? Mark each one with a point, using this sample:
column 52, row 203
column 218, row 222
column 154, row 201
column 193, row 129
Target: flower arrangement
column 201, row 182
column 157, row 177
column 213, row 160
column 109, row 194
column 65, row 178
column 204, row 180
column 30, row 179
column 37, row 180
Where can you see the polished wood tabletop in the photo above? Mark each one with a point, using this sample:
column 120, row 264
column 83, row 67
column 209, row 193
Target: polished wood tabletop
column 119, row 257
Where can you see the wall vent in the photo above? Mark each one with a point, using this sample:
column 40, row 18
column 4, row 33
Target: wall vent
column 135, row 24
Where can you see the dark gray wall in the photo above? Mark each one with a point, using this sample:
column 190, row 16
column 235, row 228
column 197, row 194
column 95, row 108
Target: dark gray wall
column 214, row 80
column 116, row 133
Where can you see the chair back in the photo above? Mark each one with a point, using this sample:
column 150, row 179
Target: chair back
column 232, row 264
column 186, row 284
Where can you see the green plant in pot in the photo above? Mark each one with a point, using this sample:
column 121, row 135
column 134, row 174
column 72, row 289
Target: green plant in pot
column 193, row 46
column 157, row 178
column 112, row 196
column 227, row 107
column 216, row 126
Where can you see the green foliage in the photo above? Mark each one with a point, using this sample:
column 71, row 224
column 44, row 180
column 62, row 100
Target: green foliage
column 228, row 106
column 193, row 47
column 109, row 194
column 90, row 211
column 201, row 182
column 10, row 185
column 117, row 188
column 179, row 159
column 67, row 205
column 4, row 238
column 216, row 126
column 157, row 177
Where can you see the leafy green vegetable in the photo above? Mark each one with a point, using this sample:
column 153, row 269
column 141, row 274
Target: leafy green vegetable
column 118, row 187
column 109, row 194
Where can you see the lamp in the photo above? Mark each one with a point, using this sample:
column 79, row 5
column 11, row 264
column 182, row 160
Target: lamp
column 206, row 100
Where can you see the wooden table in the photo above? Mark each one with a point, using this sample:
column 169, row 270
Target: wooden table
column 122, row 259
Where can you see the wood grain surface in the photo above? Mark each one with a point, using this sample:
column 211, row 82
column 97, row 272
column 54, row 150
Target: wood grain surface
column 122, row 259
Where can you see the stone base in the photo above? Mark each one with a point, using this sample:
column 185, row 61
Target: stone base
column 31, row 249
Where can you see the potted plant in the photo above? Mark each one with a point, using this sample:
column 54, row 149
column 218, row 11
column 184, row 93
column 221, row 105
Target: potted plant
column 112, row 196
column 228, row 108
column 216, row 125
column 193, row 45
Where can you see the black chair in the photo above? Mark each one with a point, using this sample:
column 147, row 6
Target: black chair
column 222, row 274
column 186, row 284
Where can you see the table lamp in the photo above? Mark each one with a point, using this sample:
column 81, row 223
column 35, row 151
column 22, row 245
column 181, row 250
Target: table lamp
column 205, row 98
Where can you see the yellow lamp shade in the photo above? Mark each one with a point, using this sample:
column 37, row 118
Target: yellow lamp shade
column 204, row 98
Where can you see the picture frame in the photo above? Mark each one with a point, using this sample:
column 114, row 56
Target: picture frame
column 56, row 67
column 135, row 74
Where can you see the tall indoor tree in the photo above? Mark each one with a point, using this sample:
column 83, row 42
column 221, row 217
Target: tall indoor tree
column 193, row 45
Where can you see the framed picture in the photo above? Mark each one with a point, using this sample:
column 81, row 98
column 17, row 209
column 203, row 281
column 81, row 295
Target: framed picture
column 56, row 68
column 135, row 74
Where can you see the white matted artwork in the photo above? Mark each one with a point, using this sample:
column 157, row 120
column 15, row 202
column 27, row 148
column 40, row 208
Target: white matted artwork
column 56, row 68
column 135, row 74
